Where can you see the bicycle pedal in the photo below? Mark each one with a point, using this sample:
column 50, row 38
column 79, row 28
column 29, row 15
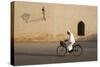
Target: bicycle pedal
column 70, row 51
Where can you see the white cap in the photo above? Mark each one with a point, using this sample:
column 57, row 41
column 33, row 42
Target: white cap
column 68, row 30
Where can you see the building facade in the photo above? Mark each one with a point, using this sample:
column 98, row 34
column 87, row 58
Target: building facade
column 50, row 22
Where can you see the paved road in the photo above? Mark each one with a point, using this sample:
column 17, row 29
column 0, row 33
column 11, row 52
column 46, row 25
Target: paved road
column 45, row 52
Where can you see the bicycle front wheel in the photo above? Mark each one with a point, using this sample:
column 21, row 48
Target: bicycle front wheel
column 61, row 51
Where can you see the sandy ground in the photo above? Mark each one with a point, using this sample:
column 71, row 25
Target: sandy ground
column 45, row 52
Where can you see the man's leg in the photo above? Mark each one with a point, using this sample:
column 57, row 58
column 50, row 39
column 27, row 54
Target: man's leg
column 70, row 47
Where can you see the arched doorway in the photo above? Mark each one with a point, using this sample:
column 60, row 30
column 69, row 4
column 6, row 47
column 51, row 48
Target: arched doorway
column 81, row 28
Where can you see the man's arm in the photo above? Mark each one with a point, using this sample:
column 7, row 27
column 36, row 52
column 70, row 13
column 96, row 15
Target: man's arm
column 66, row 40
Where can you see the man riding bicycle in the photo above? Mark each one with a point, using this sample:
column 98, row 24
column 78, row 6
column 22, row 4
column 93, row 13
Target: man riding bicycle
column 69, row 42
column 68, row 46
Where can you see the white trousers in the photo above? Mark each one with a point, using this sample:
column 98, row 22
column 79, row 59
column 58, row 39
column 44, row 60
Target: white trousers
column 69, row 45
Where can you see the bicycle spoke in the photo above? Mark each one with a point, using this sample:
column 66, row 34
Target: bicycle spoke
column 77, row 50
column 61, row 51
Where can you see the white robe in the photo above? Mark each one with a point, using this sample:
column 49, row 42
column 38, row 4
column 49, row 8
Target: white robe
column 70, row 42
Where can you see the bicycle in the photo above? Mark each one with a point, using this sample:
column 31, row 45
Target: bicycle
column 62, row 49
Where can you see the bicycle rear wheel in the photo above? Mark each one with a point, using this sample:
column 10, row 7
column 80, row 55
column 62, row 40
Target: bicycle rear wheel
column 77, row 50
column 61, row 51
